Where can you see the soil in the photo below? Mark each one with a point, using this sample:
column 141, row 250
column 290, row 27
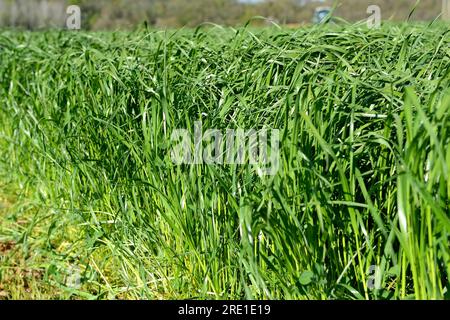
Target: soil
column 6, row 246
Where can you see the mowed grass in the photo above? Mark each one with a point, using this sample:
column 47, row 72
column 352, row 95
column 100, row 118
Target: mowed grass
column 359, row 208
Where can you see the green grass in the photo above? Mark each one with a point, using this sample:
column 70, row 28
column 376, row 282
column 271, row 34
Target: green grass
column 85, row 122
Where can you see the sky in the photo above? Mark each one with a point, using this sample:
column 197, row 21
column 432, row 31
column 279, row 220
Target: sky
column 250, row 1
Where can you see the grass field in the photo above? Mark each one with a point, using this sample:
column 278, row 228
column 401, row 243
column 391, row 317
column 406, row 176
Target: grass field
column 92, row 207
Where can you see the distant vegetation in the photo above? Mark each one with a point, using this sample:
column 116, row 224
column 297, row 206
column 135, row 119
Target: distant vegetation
column 113, row 14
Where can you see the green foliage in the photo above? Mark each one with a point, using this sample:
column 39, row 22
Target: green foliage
column 85, row 123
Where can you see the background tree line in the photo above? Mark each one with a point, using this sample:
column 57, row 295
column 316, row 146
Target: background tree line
column 113, row 14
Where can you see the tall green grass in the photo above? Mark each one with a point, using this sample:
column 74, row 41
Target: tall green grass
column 363, row 183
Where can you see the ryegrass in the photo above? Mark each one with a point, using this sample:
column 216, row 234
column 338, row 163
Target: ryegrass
column 364, row 116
